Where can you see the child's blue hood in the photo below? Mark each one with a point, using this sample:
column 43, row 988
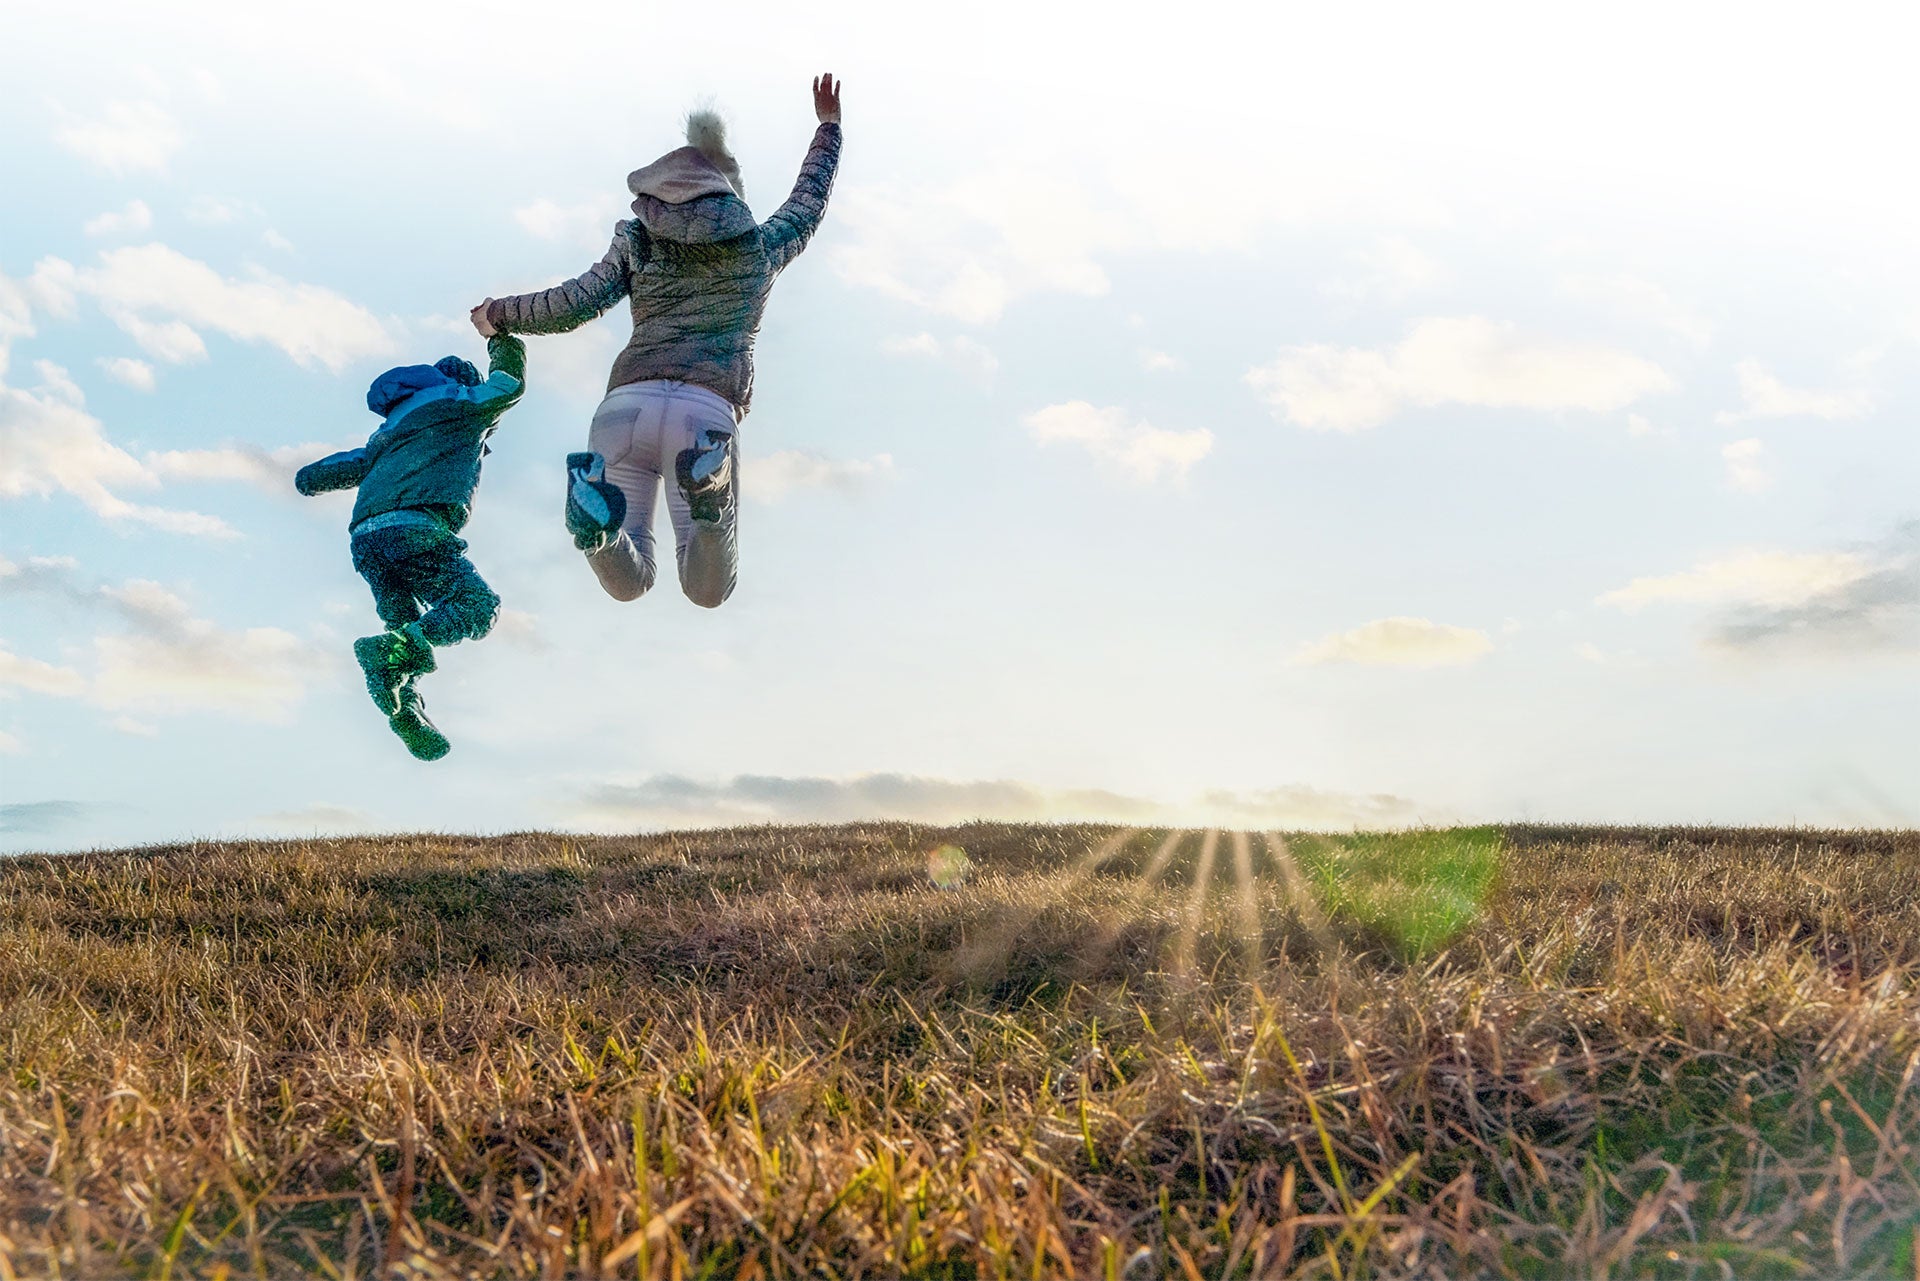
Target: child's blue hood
column 394, row 386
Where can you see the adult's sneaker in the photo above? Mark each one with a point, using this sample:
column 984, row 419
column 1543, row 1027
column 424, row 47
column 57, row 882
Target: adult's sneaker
column 410, row 722
column 390, row 660
column 705, row 473
column 595, row 508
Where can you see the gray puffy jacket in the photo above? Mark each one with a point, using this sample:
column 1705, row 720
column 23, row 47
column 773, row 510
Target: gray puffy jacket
column 697, row 275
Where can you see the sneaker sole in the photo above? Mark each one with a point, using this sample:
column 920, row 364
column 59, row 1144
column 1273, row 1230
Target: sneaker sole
column 589, row 503
column 709, row 468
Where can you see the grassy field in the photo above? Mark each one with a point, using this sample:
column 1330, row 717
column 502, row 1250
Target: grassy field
column 1073, row 1051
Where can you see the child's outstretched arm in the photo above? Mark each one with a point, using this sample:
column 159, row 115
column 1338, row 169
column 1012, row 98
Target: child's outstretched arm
column 506, row 376
column 343, row 470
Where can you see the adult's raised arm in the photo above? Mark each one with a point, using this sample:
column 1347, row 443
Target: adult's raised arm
column 793, row 223
column 567, row 305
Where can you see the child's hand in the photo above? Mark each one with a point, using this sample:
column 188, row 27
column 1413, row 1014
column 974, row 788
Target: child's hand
column 480, row 322
column 826, row 99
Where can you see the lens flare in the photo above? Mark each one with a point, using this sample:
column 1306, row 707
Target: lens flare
column 947, row 867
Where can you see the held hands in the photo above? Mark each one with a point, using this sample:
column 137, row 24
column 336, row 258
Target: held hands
column 826, row 99
column 479, row 318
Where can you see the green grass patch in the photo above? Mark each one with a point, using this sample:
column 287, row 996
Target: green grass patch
column 1414, row 891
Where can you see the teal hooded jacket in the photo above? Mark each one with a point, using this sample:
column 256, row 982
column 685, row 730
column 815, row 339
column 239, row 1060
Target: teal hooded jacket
column 427, row 453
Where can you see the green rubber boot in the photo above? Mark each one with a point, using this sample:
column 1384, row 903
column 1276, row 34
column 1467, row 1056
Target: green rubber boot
column 410, row 722
column 390, row 660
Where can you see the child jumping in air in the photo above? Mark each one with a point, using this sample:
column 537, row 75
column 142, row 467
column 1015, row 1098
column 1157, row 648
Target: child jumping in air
column 417, row 474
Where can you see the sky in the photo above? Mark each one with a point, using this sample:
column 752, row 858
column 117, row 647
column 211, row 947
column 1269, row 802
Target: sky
column 1272, row 416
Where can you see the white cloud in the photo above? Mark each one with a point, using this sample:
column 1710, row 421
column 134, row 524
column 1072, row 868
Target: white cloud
column 1818, row 604
column 1639, row 301
column 1160, row 362
column 173, row 341
column 968, row 248
column 51, row 287
column 1459, row 360
column 521, row 629
column 1298, row 807
column 11, row 746
column 1764, row 396
column 274, row 240
column 1747, row 466
column 588, row 223
column 969, row 355
column 1137, row 449
column 1640, row 425
column 40, row 678
column 50, row 444
column 136, row 217
column 259, row 673
column 1776, row 579
column 125, row 138
column 16, row 319
column 784, row 471
column 137, row 374
column 1399, row 642
column 163, row 660
column 268, row 469
column 317, row 818
column 671, row 800
column 136, row 728
column 311, row 324
column 1389, row 271
column 207, row 85
column 57, row 382
column 211, row 211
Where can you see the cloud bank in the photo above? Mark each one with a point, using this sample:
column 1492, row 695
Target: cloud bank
column 1809, row 604
column 1134, row 448
column 160, row 659
column 670, row 800
column 1449, row 360
column 1764, row 396
column 1399, row 642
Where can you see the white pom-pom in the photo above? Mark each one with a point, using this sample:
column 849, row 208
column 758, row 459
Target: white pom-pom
column 707, row 134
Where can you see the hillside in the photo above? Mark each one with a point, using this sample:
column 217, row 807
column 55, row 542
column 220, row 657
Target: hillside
column 1084, row 1051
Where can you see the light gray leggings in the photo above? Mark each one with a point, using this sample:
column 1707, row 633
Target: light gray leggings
column 640, row 429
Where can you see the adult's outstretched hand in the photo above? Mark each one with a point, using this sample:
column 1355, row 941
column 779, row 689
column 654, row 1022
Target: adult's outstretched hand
column 826, row 99
column 479, row 318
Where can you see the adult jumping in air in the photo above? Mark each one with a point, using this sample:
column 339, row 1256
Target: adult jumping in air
column 697, row 271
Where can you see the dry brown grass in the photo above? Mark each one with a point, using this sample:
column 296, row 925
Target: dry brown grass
column 782, row 1052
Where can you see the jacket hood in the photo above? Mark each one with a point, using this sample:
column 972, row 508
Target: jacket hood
column 705, row 221
column 681, row 175
column 693, row 194
column 394, row 386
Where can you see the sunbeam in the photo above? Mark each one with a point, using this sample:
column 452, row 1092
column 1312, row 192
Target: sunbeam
column 1158, row 864
column 1294, row 882
column 1183, row 953
column 1116, row 924
column 1247, row 896
column 993, row 947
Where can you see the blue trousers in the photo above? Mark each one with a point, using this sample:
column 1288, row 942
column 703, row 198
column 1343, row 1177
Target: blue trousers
column 409, row 566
